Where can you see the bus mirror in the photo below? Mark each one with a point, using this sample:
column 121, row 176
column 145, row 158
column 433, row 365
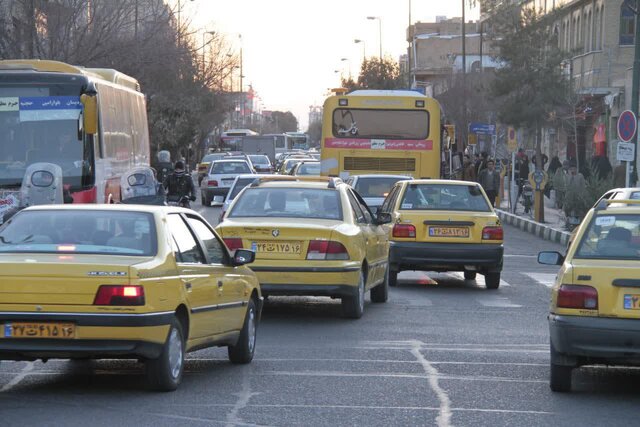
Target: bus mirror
column 90, row 113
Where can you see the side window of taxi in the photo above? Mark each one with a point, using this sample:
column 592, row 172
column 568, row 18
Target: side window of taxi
column 188, row 249
column 212, row 245
column 357, row 210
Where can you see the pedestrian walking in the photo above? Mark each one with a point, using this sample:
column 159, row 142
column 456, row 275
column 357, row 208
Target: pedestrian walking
column 560, row 183
column 489, row 179
column 469, row 170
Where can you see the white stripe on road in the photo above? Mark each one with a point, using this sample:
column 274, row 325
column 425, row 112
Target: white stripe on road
column 19, row 377
column 496, row 301
column 444, row 416
column 410, row 362
column 479, row 279
column 546, row 279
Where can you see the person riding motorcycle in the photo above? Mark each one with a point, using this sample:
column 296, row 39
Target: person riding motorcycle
column 179, row 184
column 164, row 167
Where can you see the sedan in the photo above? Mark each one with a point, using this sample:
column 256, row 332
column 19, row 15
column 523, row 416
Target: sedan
column 306, row 168
column 221, row 175
column 123, row 281
column 374, row 188
column 261, row 163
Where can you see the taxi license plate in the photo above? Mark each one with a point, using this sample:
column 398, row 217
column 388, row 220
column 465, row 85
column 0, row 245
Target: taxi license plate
column 39, row 330
column 632, row 302
column 289, row 248
column 448, row 232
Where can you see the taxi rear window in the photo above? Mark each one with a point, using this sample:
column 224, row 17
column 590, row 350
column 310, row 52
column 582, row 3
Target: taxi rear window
column 611, row 237
column 230, row 168
column 444, row 197
column 80, row 232
column 288, row 203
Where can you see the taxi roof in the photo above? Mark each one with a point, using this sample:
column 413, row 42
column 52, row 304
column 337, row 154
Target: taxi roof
column 441, row 182
column 109, row 207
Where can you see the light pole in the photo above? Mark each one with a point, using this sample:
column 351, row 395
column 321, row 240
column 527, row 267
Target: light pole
column 348, row 64
column 379, row 31
column 204, row 49
column 364, row 48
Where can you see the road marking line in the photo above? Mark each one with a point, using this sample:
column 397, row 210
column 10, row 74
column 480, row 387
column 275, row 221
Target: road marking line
column 389, row 375
column 546, row 279
column 444, row 416
column 499, row 302
column 233, row 417
column 19, row 377
column 479, row 279
column 408, row 362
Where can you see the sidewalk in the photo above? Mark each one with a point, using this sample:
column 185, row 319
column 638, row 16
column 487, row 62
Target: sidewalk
column 552, row 229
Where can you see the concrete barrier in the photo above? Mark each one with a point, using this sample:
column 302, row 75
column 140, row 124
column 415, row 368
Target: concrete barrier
column 543, row 231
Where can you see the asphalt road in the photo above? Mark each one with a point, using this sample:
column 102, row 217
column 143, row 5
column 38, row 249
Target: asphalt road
column 442, row 351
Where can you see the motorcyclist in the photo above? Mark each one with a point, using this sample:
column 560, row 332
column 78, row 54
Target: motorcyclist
column 164, row 167
column 179, row 184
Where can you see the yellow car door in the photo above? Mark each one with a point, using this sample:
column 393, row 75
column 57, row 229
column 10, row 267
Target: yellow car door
column 364, row 221
column 233, row 290
column 198, row 279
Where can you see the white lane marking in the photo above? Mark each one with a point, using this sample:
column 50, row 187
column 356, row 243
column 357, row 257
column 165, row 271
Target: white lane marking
column 496, row 301
column 408, row 362
column 233, row 417
column 479, row 279
column 444, row 416
column 19, row 377
column 546, row 279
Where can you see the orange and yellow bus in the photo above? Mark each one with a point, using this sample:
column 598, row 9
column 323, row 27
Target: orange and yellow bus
column 381, row 131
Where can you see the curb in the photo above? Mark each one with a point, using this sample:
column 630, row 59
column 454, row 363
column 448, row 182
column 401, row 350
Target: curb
column 540, row 230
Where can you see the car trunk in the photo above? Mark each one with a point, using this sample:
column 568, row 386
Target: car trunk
column 449, row 226
column 59, row 279
column 617, row 283
column 277, row 238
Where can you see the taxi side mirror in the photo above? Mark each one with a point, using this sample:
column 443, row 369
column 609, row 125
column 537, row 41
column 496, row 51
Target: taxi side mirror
column 550, row 258
column 242, row 257
column 383, row 218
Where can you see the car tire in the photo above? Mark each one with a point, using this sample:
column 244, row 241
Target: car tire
column 165, row 372
column 393, row 278
column 204, row 200
column 381, row 292
column 492, row 280
column 470, row 275
column 244, row 349
column 560, row 378
column 353, row 306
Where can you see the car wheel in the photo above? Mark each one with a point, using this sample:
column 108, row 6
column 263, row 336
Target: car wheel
column 353, row 306
column 381, row 292
column 165, row 372
column 393, row 278
column 470, row 275
column 243, row 351
column 204, row 200
column 560, row 378
column 492, row 280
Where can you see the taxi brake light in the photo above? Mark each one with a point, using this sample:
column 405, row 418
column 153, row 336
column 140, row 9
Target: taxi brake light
column 66, row 248
column 492, row 233
column 404, row 230
column 577, row 296
column 326, row 250
column 119, row 295
column 233, row 243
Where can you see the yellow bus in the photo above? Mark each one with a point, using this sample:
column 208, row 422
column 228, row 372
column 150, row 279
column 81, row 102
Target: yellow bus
column 381, row 132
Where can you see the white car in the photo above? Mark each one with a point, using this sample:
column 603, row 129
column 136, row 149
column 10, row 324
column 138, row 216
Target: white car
column 220, row 176
column 238, row 185
column 374, row 188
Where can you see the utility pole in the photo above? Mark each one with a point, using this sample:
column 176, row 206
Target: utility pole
column 634, row 93
column 410, row 47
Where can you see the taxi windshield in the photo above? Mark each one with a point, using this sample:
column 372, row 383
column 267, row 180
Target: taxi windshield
column 79, row 232
column 444, row 197
column 611, row 237
column 288, row 203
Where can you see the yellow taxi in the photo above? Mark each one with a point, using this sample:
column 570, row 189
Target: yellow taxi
column 443, row 225
column 312, row 236
column 595, row 302
column 123, row 281
column 203, row 166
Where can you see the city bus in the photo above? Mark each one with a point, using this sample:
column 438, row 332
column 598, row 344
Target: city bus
column 383, row 132
column 231, row 140
column 299, row 140
column 87, row 124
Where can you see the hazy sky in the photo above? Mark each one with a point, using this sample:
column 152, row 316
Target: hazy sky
column 292, row 48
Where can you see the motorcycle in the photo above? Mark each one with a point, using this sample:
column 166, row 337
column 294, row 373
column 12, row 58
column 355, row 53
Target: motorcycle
column 183, row 202
column 527, row 197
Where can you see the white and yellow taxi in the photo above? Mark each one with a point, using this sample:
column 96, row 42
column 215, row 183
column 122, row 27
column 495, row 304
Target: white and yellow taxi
column 123, row 281
column 312, row 236
column 595, row 302
column 442, row 225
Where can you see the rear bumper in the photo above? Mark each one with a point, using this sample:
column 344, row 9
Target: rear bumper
column 32, row 349
column 215, row 191
column 580, row 339
column 445, row 256
column 337, row 291
column 335, row 281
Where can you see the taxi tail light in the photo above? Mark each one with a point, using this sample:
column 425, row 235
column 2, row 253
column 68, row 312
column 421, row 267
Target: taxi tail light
column 233, row 243
column 492, row 233
column 326, row 250
column 119, row 295
column 404, row 230
column 578, row 296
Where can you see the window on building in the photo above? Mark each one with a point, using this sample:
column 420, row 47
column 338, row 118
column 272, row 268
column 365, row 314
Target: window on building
column 627, row 24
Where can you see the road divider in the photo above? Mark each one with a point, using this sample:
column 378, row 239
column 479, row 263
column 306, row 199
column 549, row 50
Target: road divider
column 543, row 231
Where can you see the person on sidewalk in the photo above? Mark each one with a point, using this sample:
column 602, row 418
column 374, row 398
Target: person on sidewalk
column 560, row 183
column 620, row 176
column 469, row 170
column 489, row 179
column 523, row 174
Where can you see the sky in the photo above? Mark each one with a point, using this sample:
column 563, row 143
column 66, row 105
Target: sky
column 293, row 48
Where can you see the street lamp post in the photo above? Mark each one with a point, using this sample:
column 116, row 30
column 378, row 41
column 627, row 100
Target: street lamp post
column 204, row 50
column 379, row 31
column 364, row 48
column 348, row 64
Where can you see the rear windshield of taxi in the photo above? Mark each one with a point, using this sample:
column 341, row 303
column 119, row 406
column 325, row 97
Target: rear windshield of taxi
column 81, row 232
column 218, row 168
column 444, row 197
column 259, row 159
column 611, row 237
column 288, row 203
column 375, row 187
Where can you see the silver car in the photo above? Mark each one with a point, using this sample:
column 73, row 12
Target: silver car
column 238, row 185
column 374, row 188
column 221, row 175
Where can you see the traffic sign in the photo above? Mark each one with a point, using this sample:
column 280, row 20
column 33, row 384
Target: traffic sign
column 626, row 151
column 482, row 128
column 512, row 142
column 627, row 124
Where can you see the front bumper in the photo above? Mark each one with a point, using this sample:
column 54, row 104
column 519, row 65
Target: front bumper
column 445, row 256
column 584, row 339
column 96, row 336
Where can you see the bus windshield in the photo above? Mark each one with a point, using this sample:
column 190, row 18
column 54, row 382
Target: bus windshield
column 380, row 124
column 41, row 124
